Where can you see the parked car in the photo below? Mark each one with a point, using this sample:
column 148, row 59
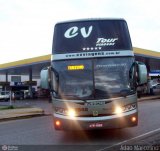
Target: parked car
column 5, row 95
column 27, row 95
column 18, row 95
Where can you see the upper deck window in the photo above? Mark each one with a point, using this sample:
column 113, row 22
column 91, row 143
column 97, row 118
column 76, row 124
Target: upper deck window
column 91, row 35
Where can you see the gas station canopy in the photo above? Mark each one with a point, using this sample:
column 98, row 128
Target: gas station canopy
column 36, row 64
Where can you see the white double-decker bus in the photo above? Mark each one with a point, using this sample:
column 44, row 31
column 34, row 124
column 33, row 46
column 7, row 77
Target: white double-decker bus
column 93, row 75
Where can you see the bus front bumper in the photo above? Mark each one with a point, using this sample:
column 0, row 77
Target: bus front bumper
column 127, row 119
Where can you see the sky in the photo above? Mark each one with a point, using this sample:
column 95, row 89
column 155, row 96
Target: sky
column 26, row 26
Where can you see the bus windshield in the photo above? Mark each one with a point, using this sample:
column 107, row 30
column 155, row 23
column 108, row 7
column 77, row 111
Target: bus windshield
column 97, row 79
column 91, row 35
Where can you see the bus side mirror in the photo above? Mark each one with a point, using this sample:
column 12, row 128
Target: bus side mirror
column 142, row 73
column 44, row 78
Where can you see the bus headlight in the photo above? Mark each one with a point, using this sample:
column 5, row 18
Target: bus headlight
column 71, row 113
column 129, row 107
column 120, row 109
column 64, row 111
column 60, row 110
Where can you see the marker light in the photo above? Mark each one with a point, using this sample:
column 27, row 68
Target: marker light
column 118, row 110
column 133, row 119
column 58, row 123
column 71, row 113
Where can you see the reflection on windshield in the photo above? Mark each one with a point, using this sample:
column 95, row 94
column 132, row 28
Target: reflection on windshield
column 112, row 76
column 80, row 93
column 79, row 89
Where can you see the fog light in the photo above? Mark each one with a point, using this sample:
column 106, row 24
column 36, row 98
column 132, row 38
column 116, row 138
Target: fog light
column 133, row 119
column 58, row 123
column 118, row 110
column 71, row 113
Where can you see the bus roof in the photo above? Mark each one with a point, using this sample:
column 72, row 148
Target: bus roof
column 90, row 19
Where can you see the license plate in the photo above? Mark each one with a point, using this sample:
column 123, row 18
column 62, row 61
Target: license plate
column 95, row 125
column 95, row 103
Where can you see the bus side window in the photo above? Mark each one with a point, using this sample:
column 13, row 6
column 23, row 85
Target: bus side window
column 133, row 76
column 54, row 81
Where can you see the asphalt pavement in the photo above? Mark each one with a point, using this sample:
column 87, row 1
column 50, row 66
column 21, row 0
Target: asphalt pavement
column 40, row 130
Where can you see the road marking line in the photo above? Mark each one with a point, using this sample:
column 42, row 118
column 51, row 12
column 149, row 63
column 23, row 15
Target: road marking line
column 120, row 143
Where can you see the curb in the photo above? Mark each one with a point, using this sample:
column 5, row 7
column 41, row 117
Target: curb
column 149, row 98
column 20, row 113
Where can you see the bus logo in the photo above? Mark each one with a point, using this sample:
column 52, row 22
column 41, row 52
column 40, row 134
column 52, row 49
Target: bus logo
column 95, row 113
column 106, row 42
column 74, row 31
